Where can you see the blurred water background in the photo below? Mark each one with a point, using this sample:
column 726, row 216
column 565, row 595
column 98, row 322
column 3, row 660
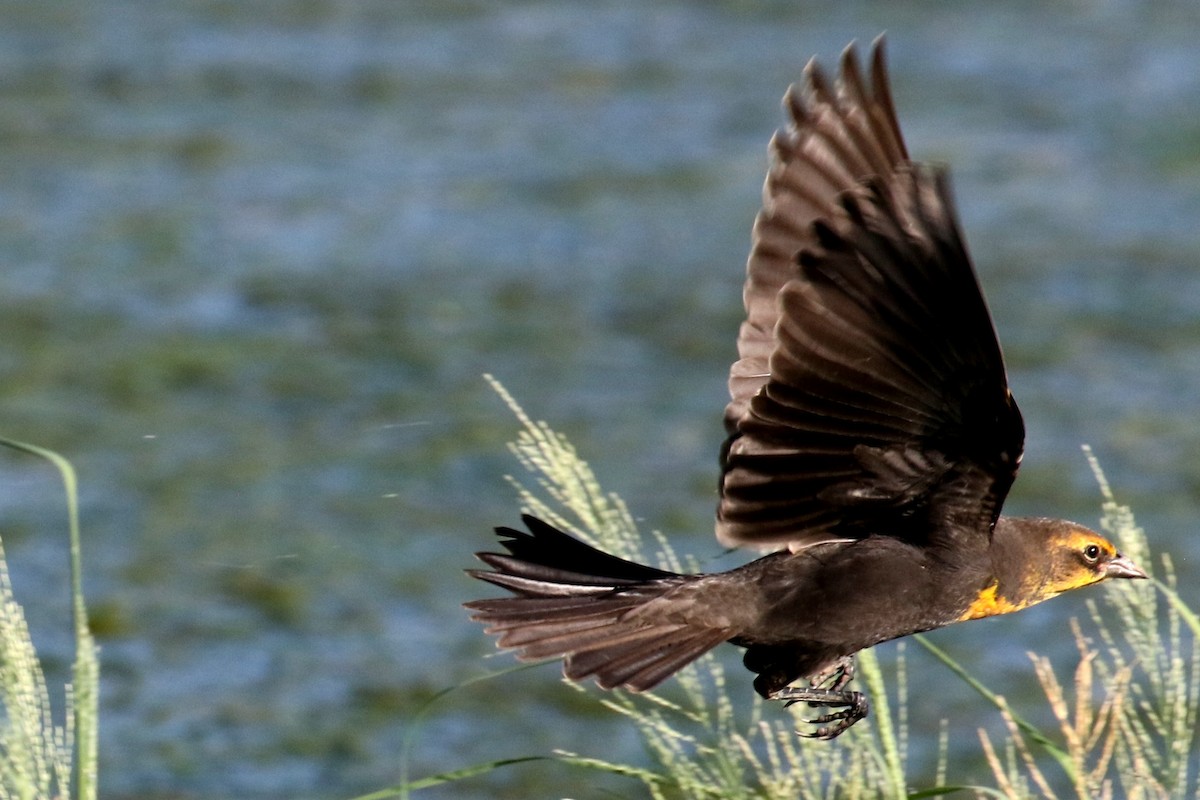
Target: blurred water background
column 254, row 259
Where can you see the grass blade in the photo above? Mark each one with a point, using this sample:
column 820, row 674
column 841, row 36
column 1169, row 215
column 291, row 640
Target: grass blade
column 85, row 694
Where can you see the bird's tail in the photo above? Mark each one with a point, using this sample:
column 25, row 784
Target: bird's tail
column 589, row 607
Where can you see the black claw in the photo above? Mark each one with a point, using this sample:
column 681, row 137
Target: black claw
column 852, row 707
column 827, row 690
column 833, row 717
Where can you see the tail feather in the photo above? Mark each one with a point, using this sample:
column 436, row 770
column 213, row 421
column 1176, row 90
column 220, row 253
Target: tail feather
column 601, row 639
column 618, row 662
column 640, row 667
column 589, row 607
column 571, row 633
column 679, row 657
column 547, row 546
column 536, row 581
column 500, row 615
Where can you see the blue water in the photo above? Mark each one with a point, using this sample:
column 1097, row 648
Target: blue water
column 256, row 258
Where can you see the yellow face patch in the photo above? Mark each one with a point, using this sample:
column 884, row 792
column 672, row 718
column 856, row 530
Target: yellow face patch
column 1076, row 579
column 1086, row 549
column 989, row 604
column 1079, row 539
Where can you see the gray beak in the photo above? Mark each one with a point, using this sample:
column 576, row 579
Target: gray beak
column 1122, row 567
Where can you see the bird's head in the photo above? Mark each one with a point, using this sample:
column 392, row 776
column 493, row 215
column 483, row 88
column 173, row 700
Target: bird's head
column 1036, row 558
column 1078, row 556
column 1061, row 556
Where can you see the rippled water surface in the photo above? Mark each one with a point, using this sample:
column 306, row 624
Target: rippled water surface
column 256, row 257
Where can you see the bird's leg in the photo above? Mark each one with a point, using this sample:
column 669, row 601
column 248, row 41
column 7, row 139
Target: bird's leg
column 836, row 677
column 828, row 690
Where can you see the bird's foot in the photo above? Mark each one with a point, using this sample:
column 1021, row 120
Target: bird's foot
column 853, row 707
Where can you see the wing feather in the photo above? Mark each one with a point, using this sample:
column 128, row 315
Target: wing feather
column 870, row 395
column 837, row 136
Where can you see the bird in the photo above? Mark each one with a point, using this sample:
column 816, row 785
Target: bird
column 871, row 441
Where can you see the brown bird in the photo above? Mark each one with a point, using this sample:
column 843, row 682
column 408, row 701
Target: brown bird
column 872, row 441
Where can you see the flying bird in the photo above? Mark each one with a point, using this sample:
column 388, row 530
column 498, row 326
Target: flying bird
column 872, row 439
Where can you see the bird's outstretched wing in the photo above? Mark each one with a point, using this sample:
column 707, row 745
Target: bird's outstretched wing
column 838, row 136
column 870, row 395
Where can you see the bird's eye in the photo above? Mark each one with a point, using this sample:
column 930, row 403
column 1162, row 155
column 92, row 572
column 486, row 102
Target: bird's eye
column 1091, row 552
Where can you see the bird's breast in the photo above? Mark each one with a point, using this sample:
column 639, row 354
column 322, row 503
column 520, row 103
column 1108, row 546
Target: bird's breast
column 989, row 603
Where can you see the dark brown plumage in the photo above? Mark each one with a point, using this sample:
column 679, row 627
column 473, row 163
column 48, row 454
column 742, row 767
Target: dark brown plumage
column 872, row 441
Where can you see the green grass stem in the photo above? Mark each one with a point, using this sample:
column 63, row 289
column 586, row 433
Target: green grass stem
column 83, row 694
